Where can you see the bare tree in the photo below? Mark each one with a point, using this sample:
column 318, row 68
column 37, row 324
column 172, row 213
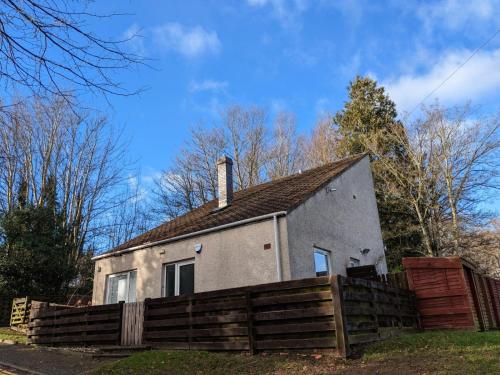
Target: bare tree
column 127, row 219
column 450, row 165
column 192, row 179
column 468, row 158
column 286, row 150
column 482, row 246
column 47, row 46
column 245, row 132
column 45, row 139
column 322, row 147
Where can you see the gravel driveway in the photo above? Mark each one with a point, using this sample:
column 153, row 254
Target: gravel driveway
column 48, row 361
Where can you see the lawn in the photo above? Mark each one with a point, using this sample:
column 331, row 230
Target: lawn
column 7, row 334
column 419, row 353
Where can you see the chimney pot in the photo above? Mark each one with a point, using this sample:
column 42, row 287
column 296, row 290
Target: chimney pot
column 225, row 181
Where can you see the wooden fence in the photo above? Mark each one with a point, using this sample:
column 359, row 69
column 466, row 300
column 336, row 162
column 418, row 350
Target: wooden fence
column 93, row 325
column 322, row 313
column 494, row 289
column 397, row 279
column 375, row 311
column 451, row 294
column 319, row 313
column 6, row 307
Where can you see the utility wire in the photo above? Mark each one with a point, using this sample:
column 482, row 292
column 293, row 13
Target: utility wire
column 454, row 72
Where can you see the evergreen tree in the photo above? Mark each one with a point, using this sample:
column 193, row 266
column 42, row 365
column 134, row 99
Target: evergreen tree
column 370, row 115
column 34, row 249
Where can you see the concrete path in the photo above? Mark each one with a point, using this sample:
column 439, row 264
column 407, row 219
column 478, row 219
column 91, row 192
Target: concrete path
column 41, row 361
column 9, row 370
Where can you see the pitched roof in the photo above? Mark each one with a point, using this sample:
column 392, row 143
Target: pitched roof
column 283, row 194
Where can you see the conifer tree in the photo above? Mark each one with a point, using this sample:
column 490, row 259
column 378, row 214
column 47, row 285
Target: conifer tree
column 370, row 114
column 34, row 249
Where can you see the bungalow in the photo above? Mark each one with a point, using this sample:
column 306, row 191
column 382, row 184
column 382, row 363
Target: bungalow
column 313, row 223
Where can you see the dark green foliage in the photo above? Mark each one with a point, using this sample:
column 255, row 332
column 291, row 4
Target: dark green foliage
column 371, row 116
column 369, row 111
column 34, row 251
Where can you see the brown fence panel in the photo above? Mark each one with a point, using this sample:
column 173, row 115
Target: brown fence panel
column 298, row 314
column 442, row 293
column 213, row 320
column 375, row 310
column 494, row 289
column 294, row 315
column 287, row 315
column 93, row 325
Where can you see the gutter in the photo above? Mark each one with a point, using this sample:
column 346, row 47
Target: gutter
column 273, row 215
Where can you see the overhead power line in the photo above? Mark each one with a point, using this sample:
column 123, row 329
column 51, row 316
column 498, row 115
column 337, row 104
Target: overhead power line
column 454, row 72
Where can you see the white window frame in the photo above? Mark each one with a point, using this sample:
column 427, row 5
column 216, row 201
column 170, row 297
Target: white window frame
column 177, row 275
column 113, row 275
column 328, row 255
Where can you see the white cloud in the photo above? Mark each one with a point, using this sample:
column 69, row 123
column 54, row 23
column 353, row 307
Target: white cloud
column 208, row 85
column 477, row 78
column 134, row 39
column 287, row 12
column 190, row 42
column 455, row 14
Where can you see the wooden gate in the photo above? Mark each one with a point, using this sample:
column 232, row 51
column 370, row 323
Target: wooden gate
column 132, row 323
column 20, row 313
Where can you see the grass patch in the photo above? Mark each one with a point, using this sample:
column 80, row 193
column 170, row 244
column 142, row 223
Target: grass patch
column 8, row 334
column 447, row 352
column 195, row 362
column 419, row 353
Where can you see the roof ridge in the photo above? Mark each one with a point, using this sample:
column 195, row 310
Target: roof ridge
column 311, row 170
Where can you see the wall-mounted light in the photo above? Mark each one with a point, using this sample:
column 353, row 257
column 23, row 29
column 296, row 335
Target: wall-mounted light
column 330, row 190
column 364, row 251
column 99, row 269
column 198, row 247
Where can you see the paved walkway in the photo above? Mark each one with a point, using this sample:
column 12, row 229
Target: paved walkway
column 45, row 361
column 9, row 370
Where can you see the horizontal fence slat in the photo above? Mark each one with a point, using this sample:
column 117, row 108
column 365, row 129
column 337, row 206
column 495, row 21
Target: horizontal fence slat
column 82, row 328
column 77, row 319
column 76, row 339
column 293, row 298
column 295, row 328
column 294, row 314
column 308, row 343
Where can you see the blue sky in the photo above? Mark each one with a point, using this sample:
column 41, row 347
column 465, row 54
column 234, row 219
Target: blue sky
column 296, row 55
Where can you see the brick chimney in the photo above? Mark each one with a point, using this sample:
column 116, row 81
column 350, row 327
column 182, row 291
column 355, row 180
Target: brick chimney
column 225, row 181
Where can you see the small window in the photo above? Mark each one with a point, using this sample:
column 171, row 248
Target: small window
column 322, row 262
column 121, row 287
column 179, row 278
column 353, row 262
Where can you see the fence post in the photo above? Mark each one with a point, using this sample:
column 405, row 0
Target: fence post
column 190, row 314
column 121, row 307
column 341, row 333
column 251, row 334
column 144, row 317
column 36, row 309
